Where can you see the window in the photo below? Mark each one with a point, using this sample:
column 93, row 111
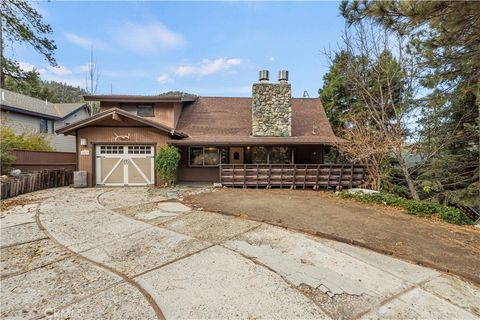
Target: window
column 280, row 155
column 204, row 157
column 273, row 155
column 46, row 125
column 259, row 155
column 142, row 110
column 139, row 149
column 111, row 150
column 145, row 111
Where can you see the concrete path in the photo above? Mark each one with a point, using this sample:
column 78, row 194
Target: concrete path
column 139, row 253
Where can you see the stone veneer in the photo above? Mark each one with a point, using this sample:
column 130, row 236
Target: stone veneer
column 271, row 110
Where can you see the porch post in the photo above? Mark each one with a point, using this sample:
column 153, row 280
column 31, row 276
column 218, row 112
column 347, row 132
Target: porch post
column 293, row 155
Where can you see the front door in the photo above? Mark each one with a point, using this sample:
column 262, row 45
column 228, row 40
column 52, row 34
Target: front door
column 129, row 165
column 236, row 155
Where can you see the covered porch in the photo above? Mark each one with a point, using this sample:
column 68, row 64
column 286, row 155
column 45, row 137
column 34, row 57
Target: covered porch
column 304, row 166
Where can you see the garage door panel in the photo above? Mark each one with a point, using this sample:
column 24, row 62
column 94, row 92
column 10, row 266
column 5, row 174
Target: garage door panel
column 125, row 165
column 112, row 170
column 139, row 170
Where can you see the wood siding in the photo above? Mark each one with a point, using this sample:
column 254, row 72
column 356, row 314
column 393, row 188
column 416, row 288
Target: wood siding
column 106, row 135
column 165, row 113
column 27, row 160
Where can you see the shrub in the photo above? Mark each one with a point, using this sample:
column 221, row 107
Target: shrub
column 415, row 207
column 28, row 140
column 167, row 163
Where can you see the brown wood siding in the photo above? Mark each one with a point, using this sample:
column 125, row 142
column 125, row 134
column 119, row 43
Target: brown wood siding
column 165, row 113
column 105, row 135
column 27, row 160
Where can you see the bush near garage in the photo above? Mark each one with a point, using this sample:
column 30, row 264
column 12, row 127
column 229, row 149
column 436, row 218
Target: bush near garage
column 415, row 207
column 166, row 163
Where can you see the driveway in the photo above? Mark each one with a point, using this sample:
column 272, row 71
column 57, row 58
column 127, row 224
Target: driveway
column 139, row 253
column 426, row 241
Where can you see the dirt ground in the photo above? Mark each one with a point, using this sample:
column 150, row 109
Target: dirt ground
column 436, row 244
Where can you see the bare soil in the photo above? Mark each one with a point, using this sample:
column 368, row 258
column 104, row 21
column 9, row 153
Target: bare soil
column 425, row 241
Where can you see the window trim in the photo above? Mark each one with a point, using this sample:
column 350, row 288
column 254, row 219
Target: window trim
column 47, row 121
column 203, row 152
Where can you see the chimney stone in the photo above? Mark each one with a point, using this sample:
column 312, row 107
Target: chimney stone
column 271, row 109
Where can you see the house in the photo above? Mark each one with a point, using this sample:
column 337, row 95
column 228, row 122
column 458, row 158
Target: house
column 24, row 113
column 117, row 146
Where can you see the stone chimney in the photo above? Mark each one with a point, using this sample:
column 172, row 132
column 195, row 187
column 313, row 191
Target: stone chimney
column 271, row 106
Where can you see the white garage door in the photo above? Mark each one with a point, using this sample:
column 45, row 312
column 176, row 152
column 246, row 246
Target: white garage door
column 124, row 165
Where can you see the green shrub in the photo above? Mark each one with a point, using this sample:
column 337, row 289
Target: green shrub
column 167, row 163
column 27, row 140
column 414, row 207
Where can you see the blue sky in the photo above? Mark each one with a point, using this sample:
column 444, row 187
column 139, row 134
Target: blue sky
column 206, row 48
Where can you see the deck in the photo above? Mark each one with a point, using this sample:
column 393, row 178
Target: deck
column 291, row 175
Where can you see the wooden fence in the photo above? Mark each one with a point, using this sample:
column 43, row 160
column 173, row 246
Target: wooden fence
column 27, row 160
column 291, row 175
column 30, row 182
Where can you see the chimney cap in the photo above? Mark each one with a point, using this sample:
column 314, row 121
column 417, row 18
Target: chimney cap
column 283, row 76
column 263, row 75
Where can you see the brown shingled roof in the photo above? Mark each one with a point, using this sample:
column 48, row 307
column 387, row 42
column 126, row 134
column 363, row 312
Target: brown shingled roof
column 221, row 120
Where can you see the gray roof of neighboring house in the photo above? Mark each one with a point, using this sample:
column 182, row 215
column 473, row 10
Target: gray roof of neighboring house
column 20, row 103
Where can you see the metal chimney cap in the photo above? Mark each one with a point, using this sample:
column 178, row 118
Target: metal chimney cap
column 283, row 76
column 263, row 75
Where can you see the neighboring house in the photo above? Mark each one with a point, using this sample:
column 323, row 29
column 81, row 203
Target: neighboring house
column 117, row 146
column 26, row 113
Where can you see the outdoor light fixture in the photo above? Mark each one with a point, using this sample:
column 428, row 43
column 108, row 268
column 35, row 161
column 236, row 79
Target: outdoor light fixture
column 83, row 142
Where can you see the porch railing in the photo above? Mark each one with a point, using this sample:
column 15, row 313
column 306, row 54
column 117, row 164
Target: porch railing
column 291, row 175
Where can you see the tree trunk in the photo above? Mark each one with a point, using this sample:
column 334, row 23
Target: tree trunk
column 2, row 76
column 408, row 178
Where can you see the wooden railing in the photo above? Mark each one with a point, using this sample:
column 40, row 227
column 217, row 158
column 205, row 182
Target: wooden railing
column 291, row 175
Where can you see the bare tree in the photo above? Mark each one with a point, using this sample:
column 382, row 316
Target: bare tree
column 92, row 75
column 91, row 80
column 384, row 80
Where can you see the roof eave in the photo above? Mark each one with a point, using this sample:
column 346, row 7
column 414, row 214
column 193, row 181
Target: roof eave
column 70, row 129
column 28, row 112
column 132, row 99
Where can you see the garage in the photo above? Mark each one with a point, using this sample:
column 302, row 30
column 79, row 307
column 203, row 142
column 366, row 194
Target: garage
column 124, row 165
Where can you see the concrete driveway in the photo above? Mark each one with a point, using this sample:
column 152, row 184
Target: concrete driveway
column 139, row 253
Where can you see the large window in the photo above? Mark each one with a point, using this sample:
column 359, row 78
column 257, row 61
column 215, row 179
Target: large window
column 203, row 157
column 273, row 155
column 280, row 155
column 46, row 125
column 259, row 155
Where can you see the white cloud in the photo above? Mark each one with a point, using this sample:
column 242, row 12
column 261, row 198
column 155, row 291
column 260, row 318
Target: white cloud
column 164, row 78
column 59, row 70
column 26, row 66
column 208, row 67
column 86, row 43
column 271, row 58
column 148, row 38
column 59, row 73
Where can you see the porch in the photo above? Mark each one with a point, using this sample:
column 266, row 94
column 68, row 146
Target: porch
column 301, row 166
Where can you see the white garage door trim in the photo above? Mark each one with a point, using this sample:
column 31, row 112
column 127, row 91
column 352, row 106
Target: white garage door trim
column 128, row 159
